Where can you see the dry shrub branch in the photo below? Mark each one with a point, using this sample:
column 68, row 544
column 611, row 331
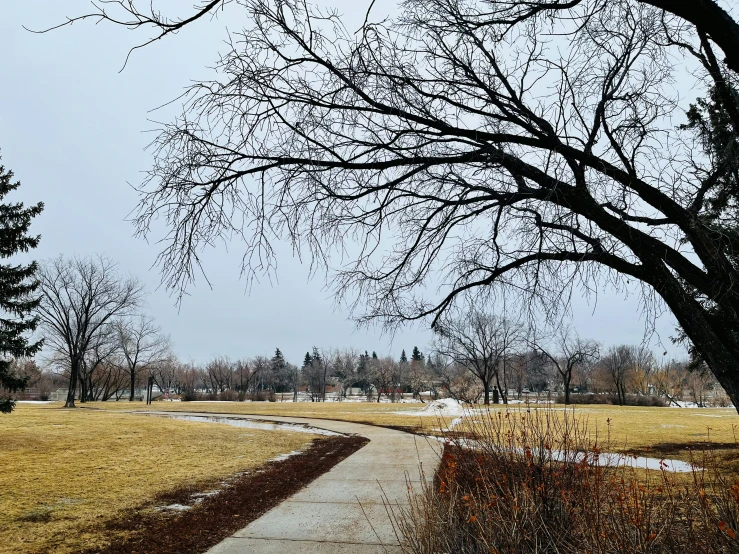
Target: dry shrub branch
column 533, row 481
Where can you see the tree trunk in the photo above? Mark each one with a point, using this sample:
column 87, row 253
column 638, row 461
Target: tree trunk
column 133, row 384
column 83, row 390
column 486, row 386
column 74, row 369
column 566, row 381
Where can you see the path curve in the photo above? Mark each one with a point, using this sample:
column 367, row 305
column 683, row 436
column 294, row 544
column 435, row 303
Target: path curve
column 342, row 511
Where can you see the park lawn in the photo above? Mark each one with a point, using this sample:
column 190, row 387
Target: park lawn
column 66, row 473
column 650, row 431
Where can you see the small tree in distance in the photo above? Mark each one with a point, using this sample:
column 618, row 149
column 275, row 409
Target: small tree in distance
column 18, row 285
column 571, row 352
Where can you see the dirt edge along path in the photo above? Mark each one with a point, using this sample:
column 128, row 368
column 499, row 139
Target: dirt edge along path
column 216, row 517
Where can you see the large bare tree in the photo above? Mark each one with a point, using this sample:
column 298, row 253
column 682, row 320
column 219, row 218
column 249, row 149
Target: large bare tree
column 481, row 343
column 80, row 299
column 498, row 143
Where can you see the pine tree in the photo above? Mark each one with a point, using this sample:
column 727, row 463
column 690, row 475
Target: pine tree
column 316, row 355
column 307, row 361
column 403, row 357
column 278, row 361
column 416, row 356
column 374, row 355
column 17, row 287
column 363, row 362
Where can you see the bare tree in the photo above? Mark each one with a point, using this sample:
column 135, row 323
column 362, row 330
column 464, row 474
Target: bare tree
column 142, row 344
column 344, row 368
column 418, row 378
column 80, row 298
column 480, row 342
column 315, row 374
column 486, row 152
column 617, row 363
column 669, row 380
column 165, row 373
column 246, row 373
column 570, row 353
column 383, row 373
column 99, row 372
column 220, row 374
column 260, row 366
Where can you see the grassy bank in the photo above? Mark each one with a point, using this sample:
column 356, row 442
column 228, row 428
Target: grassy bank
column 66, row 473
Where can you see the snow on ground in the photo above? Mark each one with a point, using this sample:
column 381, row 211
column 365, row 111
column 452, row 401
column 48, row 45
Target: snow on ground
column 35, row 401
column 684, row 404
column 283, row 457
column 441, row 407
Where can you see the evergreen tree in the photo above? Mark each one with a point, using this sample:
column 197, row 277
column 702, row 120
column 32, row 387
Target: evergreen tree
column 374, row 355
column 363, row 363
column 17, row 287
column 416, row 356
column 307, row 361
column 278, row 361
column 316, row 355
column 403, row 357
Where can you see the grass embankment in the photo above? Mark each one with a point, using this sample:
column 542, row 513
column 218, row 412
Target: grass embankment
column 655, row 432
column 67, row 473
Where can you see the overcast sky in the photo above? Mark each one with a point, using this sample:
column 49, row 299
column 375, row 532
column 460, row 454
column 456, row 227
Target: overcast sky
column 73, row 129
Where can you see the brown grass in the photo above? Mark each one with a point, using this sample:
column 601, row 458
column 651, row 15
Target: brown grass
column 67, row 473
column 509, row 492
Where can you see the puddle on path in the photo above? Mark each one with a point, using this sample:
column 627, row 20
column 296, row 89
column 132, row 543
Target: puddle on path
column 251, row 424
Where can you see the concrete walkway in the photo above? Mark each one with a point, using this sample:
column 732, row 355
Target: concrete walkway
column 342, row 511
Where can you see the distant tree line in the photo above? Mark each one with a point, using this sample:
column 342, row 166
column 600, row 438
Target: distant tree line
column 101, row 345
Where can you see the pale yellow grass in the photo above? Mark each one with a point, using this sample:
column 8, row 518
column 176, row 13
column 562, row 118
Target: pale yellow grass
column 67, row 472
column 634, row 428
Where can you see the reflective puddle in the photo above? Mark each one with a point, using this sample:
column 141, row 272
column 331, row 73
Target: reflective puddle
column 250, row 423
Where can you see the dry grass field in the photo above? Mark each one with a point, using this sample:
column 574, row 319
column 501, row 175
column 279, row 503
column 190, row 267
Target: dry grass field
column 65, row 473
column 68, row 472
column 656, row 432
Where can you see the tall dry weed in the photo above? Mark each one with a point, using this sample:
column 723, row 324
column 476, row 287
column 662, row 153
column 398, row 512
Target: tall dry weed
column 535, row 481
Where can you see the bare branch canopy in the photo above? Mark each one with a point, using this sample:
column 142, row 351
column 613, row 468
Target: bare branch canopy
column 534, row 146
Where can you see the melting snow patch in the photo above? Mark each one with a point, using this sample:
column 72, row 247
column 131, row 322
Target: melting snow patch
column 283, row 457
column 441, row 407
column 604, row 459
column 174, row 508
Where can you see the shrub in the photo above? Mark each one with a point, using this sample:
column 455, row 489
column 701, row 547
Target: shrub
column 228, row 396
column 631, row 399
column 531, row 482
column 259, row 396
column 189, row 396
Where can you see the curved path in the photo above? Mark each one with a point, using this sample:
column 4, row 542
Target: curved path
column 344, row 510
